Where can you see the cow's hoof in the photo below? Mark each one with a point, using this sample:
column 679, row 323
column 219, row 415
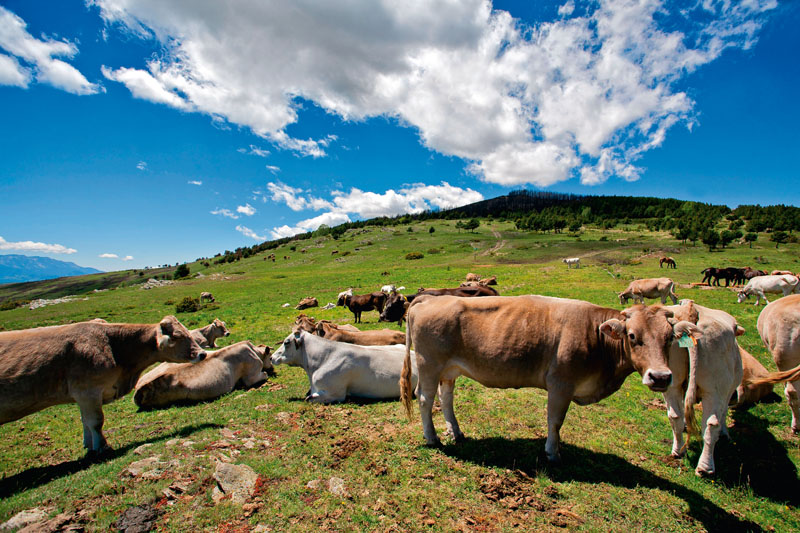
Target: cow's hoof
column 676, row 455
column 704, row 473
column 554, row 459
column 433, row 443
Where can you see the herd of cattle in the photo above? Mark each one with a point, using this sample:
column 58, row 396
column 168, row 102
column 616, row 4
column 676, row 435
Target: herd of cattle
column 575, row 350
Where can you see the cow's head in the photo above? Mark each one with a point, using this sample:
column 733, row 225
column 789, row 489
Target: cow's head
column 394, row 309
column 175, row 343
column 219, row 328
column 647, row 334
column 263, row 354
column 291, row 351
column 741, row 297
column 622, row 298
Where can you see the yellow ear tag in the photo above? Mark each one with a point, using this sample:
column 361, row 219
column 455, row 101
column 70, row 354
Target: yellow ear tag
column 687, row 341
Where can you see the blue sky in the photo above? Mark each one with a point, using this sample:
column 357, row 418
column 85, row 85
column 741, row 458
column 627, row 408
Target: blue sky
column 143, row 132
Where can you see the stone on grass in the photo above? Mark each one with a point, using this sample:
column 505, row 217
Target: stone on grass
column 236, row 481
column 23, row 518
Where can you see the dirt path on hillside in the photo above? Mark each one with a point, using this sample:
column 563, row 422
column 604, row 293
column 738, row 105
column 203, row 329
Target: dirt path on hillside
column 500, row 243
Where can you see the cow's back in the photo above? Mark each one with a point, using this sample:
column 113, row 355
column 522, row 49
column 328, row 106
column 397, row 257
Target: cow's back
column 508, row 341
column 779, row 324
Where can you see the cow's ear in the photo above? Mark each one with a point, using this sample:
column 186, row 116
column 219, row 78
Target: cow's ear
column 613, row 328
column 164, row 333
column 320, row 329
column 298, row 338
column 686, row 328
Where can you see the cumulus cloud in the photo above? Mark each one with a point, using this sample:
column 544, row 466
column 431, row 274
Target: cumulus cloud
column 274, row 169
column 583, row 95
column 32, row 246
column 254, row 150
column 195, row 182
column 127, row 258
column 225, row 213
column 108, row 256
column 415, row 198
column 39, row 57
column 246, row 209
column 247, row 232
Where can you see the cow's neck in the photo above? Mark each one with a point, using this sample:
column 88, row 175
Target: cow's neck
column 618, row 368
column 206, row 330
column 134, row 346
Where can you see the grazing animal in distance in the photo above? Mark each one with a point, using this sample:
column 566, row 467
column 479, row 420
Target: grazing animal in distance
column 575, row 350
column 761, row 285
column 88, row 363
column 207, row 336
column 669, row 261
column 337, row 370
column 220, row 372
column 206, row 296
column 640, row 289
column 572, row 261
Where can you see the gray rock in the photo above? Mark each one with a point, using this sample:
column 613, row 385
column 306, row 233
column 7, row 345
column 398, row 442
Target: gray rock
column 23, row 518
column 236, row 481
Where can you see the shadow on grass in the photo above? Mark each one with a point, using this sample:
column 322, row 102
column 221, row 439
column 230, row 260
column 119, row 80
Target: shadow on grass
column 754, row 458
column 39, row 475
column 350, row 400
column 588, row 466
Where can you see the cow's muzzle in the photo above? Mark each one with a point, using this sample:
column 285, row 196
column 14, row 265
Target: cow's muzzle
column 657, row 380
column 199, row 357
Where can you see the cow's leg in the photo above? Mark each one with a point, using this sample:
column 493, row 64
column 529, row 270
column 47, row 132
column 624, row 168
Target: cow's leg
column 91, row 406
column 673, row 397
column 446, row 387
column 710, row 428
column 254, row 378
column 558, row 398
column 792, row 397
column 426, row 394
column 664, row 299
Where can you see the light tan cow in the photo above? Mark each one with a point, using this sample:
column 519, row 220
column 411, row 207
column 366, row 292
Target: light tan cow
column 171, row 383
column 575, row 350
column 88, row 363
column 781, row 273
column 473, row 277
column 206, row 296
column 308, row 323
column 305, row 303
column 779, row 327
column 748, row 394
column 374, row 337
column 640, row 289
column 207, row 336
column 711, row 369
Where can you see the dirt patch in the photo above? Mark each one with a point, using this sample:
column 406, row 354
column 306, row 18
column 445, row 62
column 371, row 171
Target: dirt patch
column 344, row 448
column 656, row 403
column 512, row 491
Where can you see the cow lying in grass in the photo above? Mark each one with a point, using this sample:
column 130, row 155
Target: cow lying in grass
column 170, row 383
column 88, row 363
column 337, row 370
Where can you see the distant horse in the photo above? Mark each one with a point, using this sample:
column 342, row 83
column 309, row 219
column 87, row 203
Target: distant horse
column 669, row 261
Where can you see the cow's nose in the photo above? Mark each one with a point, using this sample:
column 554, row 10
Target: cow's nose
column 657, row 380
column 200, row 357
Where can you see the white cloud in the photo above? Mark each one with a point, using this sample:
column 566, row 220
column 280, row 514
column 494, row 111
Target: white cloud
column 141, row 165
column 254, row 150
column 292, row 197
column 128, row 258
column 35, row 247
column 195, row 182
column 40, row 55
column 310, row 224
column 246, row 209
column 109, row 256
column 225, row 212
column 247, row 232
column 584, row 95
column 274, row 169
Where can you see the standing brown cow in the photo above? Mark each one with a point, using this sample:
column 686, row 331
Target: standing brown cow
column 575, row 350
column 359, row 303
column 88, row 363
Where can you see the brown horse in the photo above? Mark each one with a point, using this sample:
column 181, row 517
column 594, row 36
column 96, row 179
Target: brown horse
column 669, row 261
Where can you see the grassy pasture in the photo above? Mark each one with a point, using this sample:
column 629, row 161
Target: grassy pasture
column 616, row 472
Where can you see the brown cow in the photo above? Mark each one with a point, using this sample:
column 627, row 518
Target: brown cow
column 307, row 302
column 88, row 363
column 220, row 372
column 488, row 281
column 206, row 296
column 458, row 291
column 575, row 350
column 781, row 272
column 395, row 308
column 376, row 337
column 309, row 324
column 207, row 336
column 649, row 288
column 473, row 277
column 748, row 394
column 359, row 303
column 668, row 260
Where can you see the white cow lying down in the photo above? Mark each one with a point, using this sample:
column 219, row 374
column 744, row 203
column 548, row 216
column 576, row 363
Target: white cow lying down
column 760, row 285
column 338, row 369
column 222, row 370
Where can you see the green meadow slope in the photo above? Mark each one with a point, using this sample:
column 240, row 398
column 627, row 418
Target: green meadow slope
column 616, row 472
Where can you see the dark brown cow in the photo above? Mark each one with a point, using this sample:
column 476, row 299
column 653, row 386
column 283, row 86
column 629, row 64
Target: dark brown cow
column 459, row 291
column 359, row 303
column 575, row 350
column 395, row 308
column 88, row 363
column 378, row 337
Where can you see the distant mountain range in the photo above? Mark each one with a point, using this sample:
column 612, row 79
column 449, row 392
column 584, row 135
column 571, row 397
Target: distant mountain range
column 18, row 268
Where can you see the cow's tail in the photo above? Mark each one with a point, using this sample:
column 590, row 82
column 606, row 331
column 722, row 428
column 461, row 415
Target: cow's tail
column 672, row 292
column 405, row 375
column 792, row 374
column 691, row 397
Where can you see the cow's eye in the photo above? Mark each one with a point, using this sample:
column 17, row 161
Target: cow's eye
column 631, row 336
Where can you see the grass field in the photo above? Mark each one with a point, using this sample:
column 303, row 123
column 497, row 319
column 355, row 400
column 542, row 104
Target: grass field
column 616, row 472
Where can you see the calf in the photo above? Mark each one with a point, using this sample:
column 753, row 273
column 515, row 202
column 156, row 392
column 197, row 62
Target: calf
column 711, row 369
column 207, row 336
column 362, row 302
column 336, row 370
column 380, row 337
column 640, row 289
column 88, row 363
column 206, row 296
column 220, row 372
column 575, row 350
column 572, row 261
column 761, row 285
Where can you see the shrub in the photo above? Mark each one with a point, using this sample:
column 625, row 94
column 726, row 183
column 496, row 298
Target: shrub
column 181, row 272
column 431, row 230
column 10, row 304
column 188, row 305
column 414, row 255
column 603, row 238
column 345, row 253
column 169, row 302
